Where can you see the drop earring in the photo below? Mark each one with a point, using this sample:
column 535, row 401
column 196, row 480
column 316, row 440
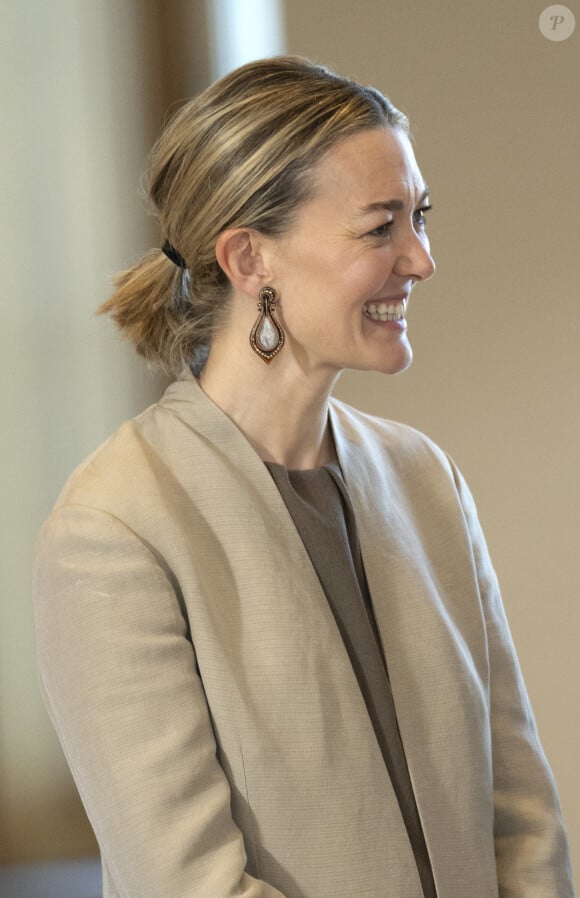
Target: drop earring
column 267, row 337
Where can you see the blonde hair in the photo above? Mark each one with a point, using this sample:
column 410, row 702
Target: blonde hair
column 237, row 155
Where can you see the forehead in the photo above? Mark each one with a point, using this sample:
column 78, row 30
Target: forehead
column 369, row 167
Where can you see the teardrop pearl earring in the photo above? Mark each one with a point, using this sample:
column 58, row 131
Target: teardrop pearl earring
column 267, row 337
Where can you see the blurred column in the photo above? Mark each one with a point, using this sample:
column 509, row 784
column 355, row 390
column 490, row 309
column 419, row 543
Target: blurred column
column 85, row 89
column 242, row 30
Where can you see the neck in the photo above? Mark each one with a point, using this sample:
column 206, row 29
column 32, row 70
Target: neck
column 281, row 409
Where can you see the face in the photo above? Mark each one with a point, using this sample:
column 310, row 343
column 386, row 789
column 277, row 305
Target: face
column 345, row 270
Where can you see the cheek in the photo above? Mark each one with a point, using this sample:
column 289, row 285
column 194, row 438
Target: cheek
column 316, row 278
column 298, row 267
column 368, row 280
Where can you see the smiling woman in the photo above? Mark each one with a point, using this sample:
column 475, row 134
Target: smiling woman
column 270, row 635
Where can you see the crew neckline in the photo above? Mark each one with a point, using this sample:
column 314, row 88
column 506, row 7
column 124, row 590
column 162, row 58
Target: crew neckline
column 331, row 465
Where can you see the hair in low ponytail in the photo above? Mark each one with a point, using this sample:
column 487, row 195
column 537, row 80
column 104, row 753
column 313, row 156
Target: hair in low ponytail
column 153, row 306
column 238, row 155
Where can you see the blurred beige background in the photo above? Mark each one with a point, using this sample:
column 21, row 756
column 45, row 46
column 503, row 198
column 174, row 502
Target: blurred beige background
column 86, row 87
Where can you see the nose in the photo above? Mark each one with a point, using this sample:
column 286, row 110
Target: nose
column 415, row 260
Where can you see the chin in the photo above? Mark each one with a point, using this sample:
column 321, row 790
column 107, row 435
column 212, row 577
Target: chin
column 384, row 366
column 393, row 360
column 396, row 363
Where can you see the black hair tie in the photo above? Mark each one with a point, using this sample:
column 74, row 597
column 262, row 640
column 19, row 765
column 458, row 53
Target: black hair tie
column 173, row 255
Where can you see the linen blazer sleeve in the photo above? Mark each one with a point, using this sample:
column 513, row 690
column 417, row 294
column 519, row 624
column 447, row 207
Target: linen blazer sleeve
column 120, row 680
column 531, row 845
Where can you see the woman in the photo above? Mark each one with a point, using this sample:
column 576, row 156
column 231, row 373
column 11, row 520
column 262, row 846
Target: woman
column 269, row 633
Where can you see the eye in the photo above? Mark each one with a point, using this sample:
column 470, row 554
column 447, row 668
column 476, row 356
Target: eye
column 382, row 230
column 419, row 216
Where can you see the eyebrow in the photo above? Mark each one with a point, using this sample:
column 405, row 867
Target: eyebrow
column 391, row 205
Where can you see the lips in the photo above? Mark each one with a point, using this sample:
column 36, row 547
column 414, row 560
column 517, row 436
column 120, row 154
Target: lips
column 387, row 310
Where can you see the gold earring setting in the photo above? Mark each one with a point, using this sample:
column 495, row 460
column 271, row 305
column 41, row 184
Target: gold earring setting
column 267, row 337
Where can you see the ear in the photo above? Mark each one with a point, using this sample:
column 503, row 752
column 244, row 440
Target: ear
column 239, row 255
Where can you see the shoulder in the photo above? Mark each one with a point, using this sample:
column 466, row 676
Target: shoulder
column 118, row 466
column 180, row 450
column 141, row 458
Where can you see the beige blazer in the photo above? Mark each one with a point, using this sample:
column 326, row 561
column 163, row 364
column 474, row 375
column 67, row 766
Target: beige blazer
column 205, row 700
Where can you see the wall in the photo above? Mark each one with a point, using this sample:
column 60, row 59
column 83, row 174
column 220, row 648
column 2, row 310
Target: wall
column 85, row 89
column 497, row 368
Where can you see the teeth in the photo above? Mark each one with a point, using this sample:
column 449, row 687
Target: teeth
column 383, row 312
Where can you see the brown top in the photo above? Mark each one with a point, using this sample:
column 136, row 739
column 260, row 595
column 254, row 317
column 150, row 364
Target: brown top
column 319, row 505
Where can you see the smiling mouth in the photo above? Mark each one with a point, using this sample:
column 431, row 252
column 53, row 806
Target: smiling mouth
column 382, row 311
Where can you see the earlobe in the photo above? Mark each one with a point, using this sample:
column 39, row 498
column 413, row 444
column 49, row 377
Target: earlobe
column 238, row 255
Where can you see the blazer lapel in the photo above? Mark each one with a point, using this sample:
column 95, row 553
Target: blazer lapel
column 440, row 703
